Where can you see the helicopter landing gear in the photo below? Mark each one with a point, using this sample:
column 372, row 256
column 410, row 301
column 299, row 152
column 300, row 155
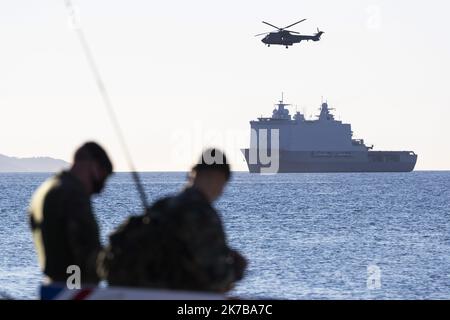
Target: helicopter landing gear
column 287, row 47
column 268, row 45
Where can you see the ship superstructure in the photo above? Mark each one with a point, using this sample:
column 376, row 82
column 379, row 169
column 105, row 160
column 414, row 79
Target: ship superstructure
column 321, row 145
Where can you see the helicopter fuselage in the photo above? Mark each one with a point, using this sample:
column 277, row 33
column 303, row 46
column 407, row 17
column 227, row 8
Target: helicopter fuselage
column 288, row 39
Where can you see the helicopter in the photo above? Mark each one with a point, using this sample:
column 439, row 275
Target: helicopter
column 286, row 37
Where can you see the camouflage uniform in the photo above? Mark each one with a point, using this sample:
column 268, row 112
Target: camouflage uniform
column 181, row 246
column 65, row 231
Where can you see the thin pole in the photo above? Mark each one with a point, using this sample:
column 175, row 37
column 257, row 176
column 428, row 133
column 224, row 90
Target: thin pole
column 106, row 99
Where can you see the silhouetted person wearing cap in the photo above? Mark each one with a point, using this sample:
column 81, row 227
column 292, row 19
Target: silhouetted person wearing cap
column 180, row 242
column 65, row 231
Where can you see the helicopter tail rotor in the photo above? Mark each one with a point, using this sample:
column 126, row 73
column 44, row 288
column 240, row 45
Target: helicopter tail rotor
column 318, row 34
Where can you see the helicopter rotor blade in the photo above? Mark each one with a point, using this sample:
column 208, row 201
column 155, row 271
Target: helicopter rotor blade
column 260, row 34
column 293, row 24
column 272, row 25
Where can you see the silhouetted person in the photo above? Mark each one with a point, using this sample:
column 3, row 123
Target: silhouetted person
column 65, row 231
column 180, row 242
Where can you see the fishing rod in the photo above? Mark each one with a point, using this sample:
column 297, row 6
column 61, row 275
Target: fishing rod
column 106, row 98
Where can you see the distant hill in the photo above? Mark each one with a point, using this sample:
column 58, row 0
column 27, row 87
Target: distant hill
column 36, row 164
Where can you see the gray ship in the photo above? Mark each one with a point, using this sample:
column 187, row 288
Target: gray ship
column 285, row 144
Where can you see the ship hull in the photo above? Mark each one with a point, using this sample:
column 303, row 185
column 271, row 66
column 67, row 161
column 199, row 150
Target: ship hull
column 309, row 161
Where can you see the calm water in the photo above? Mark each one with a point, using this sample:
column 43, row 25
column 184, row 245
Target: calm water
column 307, row 236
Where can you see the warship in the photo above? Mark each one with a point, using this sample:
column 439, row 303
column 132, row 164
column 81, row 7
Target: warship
column 286, row 144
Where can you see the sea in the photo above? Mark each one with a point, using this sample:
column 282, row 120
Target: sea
column 306, row 236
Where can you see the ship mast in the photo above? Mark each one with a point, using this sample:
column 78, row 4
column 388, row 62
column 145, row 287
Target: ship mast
column 280, row 112
column 325, row 112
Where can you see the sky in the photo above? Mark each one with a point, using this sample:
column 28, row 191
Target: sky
column 185, row 75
